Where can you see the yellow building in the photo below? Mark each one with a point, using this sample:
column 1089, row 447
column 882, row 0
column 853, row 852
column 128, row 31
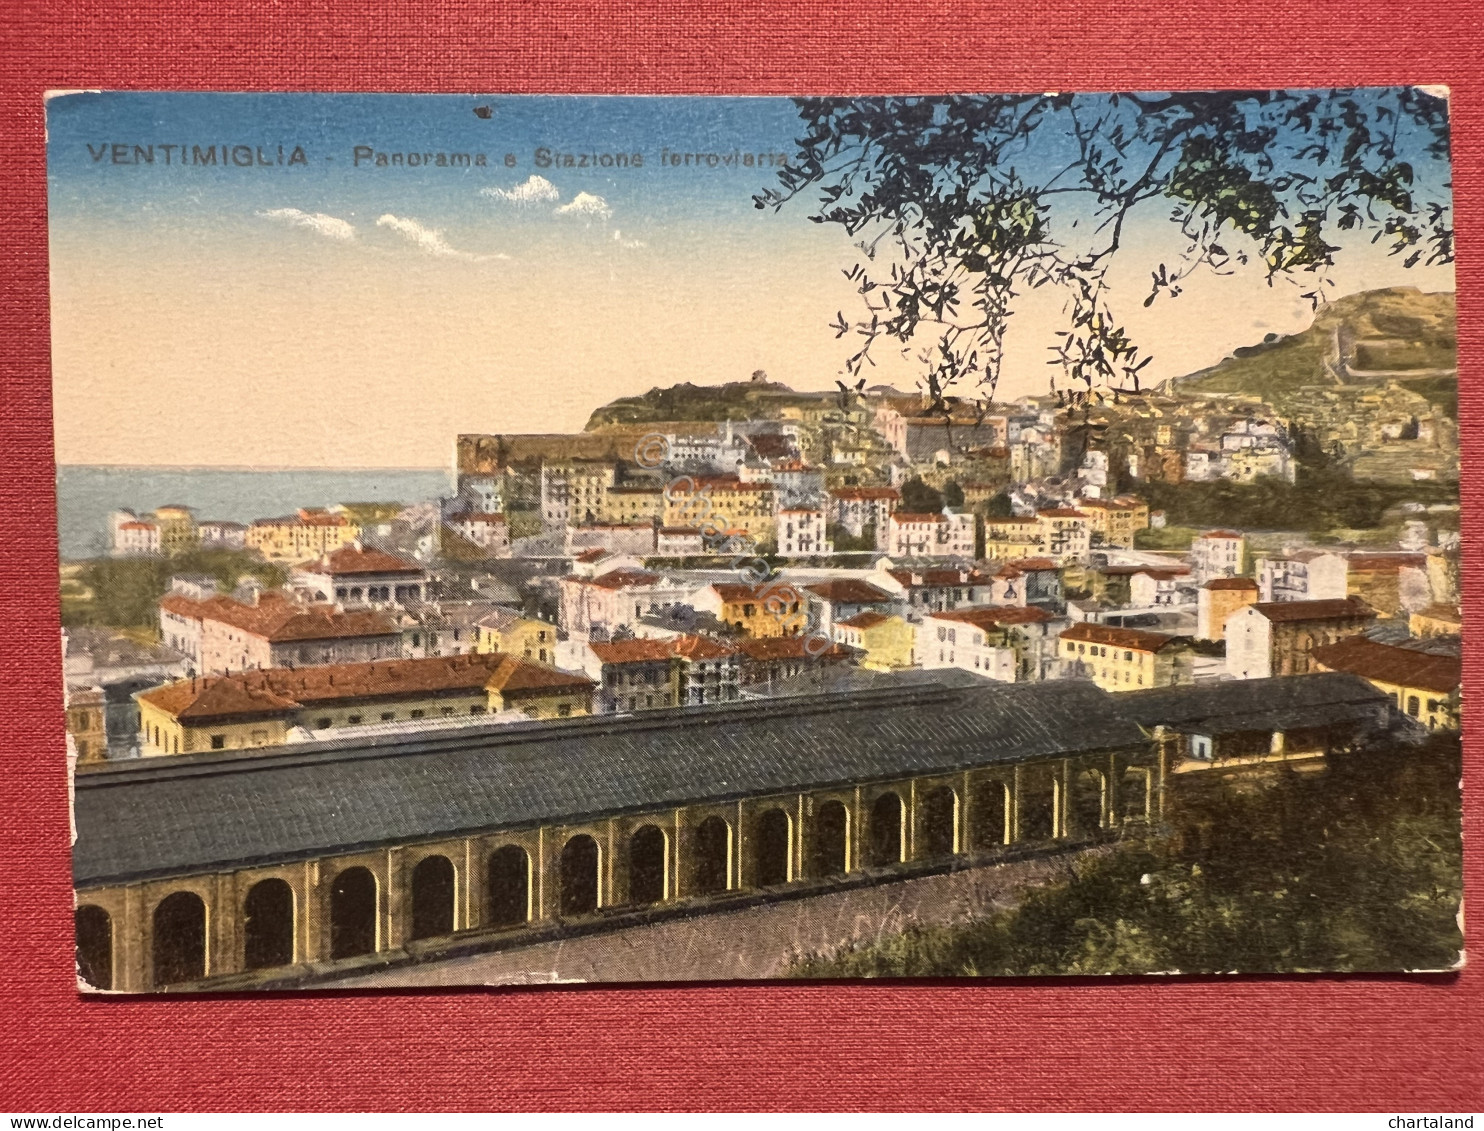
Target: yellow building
column 1114, row 522
column 1217, row 600
column 722, row 503
column 776, row 608
column 1009, row 539
column 177, row 529
column 1436, row 620
column 1125, row 659
column 631, row 503
column 1424, row 686
column 889, row 642
column 261, row 708
column 299, row 537
column 509, row 632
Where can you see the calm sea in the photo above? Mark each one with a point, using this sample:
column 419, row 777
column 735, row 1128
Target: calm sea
column 86, row 495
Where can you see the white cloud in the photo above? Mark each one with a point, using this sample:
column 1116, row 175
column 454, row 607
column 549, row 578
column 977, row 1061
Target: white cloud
column 586, row 204
column 428, row 239
column 331, row 227
column 536, row 190
column 618, row 238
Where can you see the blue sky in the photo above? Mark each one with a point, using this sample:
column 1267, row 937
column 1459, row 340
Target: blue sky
column 328, row 315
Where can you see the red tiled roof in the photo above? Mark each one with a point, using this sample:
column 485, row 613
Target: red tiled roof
column 630, row 651
column 849, row 590
column 864, row 493
column 1385, row 663
column 902, row 518
column 990, row 616
column 624, row 579
column 353, row 560
column 1011, row 520
column 1245, row 583
column 1287, row 612
column 761, row 648
column 867, row 619
column 700, row 648
column 514, row 675
column 731, row 591
column 279, row 620
column 275, row 690
column 1034, row 565
column 596, row 554
column 1222, row 534
column 1132, row 638
column 1061, row 512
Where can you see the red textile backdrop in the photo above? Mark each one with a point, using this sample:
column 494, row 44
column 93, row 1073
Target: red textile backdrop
column 1335, row 1043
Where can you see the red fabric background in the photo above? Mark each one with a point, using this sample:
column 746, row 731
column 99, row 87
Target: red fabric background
column 1334, row 1043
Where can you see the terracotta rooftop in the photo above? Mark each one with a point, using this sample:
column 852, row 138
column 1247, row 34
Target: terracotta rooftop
column 279, row 620
column 275, row 690
column 1342, row 608
column 1032, row 565
column 1448, row 613
column 867, row 619
column 1231, row 583
column 630, row 651
column 624, row 579
column 787, row 648
column 849, row 590
column 1061, row 512
column 1133, row 638
column 902, row 518
column 991, row 616
column 1386, row 663
column 1222, row 534
column 357, row 559
column 851, row 494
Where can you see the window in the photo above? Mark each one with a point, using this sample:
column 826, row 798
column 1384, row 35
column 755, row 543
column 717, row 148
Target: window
column 565, row 711
column 446, row 712
column 218, row 742
column 1413, row 706
column 353, row 720
column 388, row 716
column 322, row 723
column 415, row 714
column 477, row 709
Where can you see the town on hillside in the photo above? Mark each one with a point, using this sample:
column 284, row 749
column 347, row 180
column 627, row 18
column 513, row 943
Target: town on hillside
column 769, row 543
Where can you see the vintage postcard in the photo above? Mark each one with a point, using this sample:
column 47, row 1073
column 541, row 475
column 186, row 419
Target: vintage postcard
column 514, row 539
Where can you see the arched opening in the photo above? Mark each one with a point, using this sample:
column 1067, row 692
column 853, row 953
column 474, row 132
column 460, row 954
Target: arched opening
column 433, row 885
column 886, row 830
column 268, row 925
column 508, row 888
column 1089, row 801
column 648, row 865
column 353, row 911
column 989, row 820
column 711, row 857
column 94, row 929
column 774, row 844
column 829, row 840
column 1134, row 794
column 1038, row 803
column 579, row 876
column 938, row 834
column 180, row 939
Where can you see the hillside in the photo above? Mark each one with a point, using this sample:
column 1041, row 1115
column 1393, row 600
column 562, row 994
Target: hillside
column 1399, row 333
column 739, row 400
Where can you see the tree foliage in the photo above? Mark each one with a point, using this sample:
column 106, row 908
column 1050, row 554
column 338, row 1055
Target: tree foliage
column 960, row 204
column 1359, row 869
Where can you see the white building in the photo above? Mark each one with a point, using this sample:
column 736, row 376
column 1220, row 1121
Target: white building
column 801, row 533
column 487, row 531
column 218, row 535
column 1216, row 553
column 949, row 534
column 356, row 576
column 1305, row 575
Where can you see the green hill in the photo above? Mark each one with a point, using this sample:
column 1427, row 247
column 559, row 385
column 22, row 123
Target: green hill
column 739, row 400
column 1399, row 333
